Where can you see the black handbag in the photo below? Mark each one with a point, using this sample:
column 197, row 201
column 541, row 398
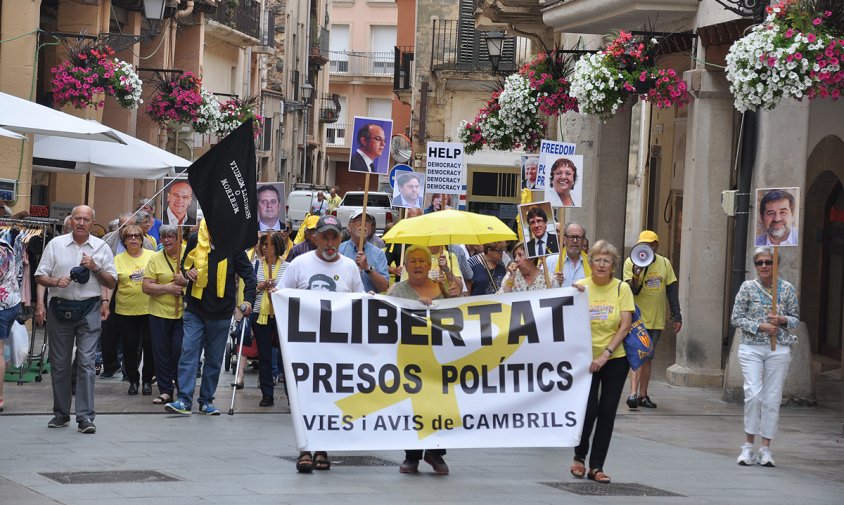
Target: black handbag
column 73, row 310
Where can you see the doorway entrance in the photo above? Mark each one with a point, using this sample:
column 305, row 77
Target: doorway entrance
column 831, row 318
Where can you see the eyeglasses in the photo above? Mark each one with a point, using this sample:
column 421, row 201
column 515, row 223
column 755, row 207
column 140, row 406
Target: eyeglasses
column 133, row 235
column 574, row 237
column 500, row 251
column 767, row 263
column 378, row 139
column 602, row 261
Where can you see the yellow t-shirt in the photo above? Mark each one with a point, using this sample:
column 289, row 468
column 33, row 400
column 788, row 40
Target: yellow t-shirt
column 652, row 298
column 154, row 242
column 333, row 202
column 163, row 306
column 131, row 300
column 606, row 303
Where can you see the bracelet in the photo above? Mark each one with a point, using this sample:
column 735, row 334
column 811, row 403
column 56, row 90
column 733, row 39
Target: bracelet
column 509, row 284
column 106, row 300
column 608, row 350
column 97, row 271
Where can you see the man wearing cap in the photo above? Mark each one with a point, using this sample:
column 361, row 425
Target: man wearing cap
column 372, row 261
column 148, row 205
column 308, row 243
column 326, row 269
column 408, row 185
column 651, row 286
column 76, row 311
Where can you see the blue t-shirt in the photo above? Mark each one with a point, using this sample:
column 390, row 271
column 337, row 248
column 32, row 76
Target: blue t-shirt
column 484, row 280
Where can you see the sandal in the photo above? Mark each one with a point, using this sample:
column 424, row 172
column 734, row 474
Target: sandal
column 162, row 399
column 321, row 461
column 598, row 476
column 578, row 469
column 304, row 464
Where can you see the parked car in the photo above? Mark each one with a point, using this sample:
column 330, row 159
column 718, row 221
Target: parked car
column 299, row 204
column 378, row 204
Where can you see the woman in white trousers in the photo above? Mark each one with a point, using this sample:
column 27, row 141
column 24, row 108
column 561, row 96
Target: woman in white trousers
column 764, row 369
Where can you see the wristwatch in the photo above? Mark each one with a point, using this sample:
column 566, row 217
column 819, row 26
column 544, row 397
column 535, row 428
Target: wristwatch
column 370, row 269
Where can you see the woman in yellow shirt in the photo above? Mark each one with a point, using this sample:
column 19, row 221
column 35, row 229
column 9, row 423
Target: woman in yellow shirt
column 163, row 282
column 131, row 310
column 610, row 314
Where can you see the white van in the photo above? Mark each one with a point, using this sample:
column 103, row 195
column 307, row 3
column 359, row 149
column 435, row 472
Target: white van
column 298, row 206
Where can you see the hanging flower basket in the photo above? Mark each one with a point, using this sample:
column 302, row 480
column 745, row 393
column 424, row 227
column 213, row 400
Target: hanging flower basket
column 90, row 72
column 548, row 73
column 180, row 98
column 509, row 121
column 603, row 81
column 235, row 112
column 796, row 52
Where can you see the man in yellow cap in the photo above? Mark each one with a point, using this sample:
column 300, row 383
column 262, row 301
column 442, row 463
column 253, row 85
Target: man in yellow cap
column 651, row 286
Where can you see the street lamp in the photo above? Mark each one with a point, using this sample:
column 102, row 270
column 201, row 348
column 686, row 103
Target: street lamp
column 494, row 43
column 154, row 9
column 307, row 91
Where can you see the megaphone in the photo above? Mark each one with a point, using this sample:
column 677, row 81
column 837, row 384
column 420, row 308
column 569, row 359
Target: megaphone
column 642, row 255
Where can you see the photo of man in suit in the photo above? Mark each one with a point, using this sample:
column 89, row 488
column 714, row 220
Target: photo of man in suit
column 180, row 207
column 410, row 187
column 371, row 140
column 539, row 241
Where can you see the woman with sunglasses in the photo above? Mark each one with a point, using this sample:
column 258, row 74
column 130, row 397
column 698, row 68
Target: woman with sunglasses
column 764, row 369
column 131, row 310
column 488, row 270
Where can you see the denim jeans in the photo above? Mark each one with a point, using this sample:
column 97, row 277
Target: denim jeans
column 208, row 335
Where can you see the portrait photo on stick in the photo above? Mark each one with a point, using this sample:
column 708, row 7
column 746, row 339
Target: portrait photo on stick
column 538, row 228
column 777, row 216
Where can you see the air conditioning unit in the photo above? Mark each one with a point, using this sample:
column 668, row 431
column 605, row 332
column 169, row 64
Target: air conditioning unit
column 8, row 189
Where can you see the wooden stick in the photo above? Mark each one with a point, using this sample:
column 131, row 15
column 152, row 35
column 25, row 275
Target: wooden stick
column 561, row 218
column 544, row 265
column 774, row 295
column 362, row 238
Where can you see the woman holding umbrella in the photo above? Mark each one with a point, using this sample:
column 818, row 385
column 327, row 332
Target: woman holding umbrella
column 419, row 286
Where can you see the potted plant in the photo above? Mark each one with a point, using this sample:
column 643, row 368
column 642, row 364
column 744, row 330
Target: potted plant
column 90, row 72
column 179, row 99
column 796, row 52
column 603, row 81
column 235, row 112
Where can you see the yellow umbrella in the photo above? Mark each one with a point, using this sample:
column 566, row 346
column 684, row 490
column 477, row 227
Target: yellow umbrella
column 447, row 227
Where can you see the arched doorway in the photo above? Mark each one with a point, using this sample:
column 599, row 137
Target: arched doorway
column 822, row 272
column 831, row 327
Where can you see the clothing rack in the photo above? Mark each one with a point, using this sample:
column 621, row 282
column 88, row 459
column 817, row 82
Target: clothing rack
column 43, row 225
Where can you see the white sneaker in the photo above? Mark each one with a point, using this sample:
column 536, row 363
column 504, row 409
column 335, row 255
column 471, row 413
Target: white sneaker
column 765, row 457
column 746, row 457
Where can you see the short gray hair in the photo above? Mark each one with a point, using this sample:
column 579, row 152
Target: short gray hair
column 168, row 230
column 765, row 249
column 146, row 201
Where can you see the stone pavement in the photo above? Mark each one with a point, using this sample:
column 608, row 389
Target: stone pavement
column 686, row 446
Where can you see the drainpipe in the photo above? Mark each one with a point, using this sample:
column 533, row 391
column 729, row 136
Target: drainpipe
column 187, row 11
column 749, row 139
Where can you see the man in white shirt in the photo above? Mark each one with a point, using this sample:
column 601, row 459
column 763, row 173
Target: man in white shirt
column 74, row 268
column 323, row 269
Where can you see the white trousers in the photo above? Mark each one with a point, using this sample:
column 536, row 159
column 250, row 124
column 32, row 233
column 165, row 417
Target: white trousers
column 764, row 377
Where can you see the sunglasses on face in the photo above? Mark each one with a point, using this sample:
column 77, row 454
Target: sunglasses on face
column 763, row 262
column 132, row 235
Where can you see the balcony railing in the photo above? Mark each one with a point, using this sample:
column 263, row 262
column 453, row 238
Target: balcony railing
column 403, row 68
column 245, row 17
column 329, row 108
column 458, row 47
column 359, row 63
column 338, row 135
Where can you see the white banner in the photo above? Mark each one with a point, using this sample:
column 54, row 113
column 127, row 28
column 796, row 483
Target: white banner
column 374, row 372
column 444, row 168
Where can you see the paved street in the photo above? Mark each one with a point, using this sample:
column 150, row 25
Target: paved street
column 687, row 446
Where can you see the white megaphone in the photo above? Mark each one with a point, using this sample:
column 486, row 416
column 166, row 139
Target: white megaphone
column 642, row 255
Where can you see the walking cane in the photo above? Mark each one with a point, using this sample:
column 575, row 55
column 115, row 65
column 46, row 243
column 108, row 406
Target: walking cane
column 243, row 323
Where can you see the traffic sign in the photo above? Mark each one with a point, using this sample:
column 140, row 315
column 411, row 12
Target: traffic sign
column 395, row 171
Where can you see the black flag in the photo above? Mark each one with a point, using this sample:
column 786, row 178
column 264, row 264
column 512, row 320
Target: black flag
column 224, row 182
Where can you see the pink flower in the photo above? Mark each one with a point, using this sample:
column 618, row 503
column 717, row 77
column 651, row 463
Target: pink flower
column 812, row 38
column 789, row 33
column 817, row 21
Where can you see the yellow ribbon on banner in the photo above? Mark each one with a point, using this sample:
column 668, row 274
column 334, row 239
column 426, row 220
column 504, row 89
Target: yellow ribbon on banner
column 198, row 259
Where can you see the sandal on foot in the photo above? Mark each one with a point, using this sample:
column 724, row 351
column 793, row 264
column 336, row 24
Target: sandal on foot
column 321, row 461
column 304, row 464
column 162, row 399
column 578, row 469
column 598, row 476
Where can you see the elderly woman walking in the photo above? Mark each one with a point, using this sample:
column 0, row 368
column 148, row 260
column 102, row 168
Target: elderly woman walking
column 164, row 282
column 764, row 369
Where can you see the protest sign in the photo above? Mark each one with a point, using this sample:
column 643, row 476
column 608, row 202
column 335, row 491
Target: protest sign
column 374, row 373
column 444, row 168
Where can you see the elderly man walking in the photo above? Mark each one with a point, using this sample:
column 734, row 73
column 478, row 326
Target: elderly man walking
column 75, row 268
